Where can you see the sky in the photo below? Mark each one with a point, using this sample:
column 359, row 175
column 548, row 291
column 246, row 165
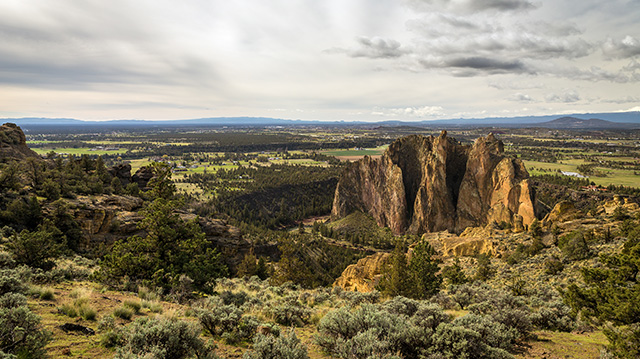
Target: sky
column 363, row 60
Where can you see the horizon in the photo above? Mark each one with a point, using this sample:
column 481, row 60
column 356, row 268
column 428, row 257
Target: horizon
column 526, row 119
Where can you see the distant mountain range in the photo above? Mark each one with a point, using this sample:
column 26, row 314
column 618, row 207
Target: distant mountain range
column 613, row 120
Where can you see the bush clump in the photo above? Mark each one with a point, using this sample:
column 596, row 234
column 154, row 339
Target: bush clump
column 405, row 328
column 163, row 339
column 20, row 332
column 291, row 312
column 283, row 347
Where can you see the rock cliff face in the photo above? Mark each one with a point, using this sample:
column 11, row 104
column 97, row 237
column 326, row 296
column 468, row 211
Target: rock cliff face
column 426, row 184
column 13, row 143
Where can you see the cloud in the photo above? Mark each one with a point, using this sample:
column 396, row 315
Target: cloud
column 377, row 48
column 520, row 97
column 500, row 5
column 626, row 99
column 83, row 45
column 625, row 48
column 472, row 6
column 409, row 112
column 567, row 97
column 487, row 65
column 516, row 85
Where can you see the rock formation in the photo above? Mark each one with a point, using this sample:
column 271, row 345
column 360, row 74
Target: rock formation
column 142, row 177
column 364, row 275
column 426, row 184
column 13, row 143
column 122, row 172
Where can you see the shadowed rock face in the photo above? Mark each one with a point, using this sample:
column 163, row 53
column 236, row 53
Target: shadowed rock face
column 13, row 144
column 425, row 184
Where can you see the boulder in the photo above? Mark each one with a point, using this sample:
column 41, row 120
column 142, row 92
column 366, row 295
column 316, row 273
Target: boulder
column 364, row 275
column 142, row 176
column 122, row 172
column 563, row 211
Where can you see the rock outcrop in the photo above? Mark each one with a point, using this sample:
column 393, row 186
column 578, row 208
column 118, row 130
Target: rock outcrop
column 628, row 206
column 364, row 275
column 122, row 172
column 427, row 184
column 13, row 143
column 563, row 211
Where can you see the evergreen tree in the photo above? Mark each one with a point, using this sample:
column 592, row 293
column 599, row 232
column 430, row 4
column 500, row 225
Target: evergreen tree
column 248, row 266
column 611, row 293
column 171, row 248
column 291, row 267
column 423, row 269
column 484, row 268
column 454, row 273
column 395, row 281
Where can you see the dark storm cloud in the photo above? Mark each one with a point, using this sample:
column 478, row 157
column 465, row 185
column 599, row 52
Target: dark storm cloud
column 487, row 65
column 500, row 5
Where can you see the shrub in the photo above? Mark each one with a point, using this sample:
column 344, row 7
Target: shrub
column 123, row 313
column 468, row 293
column 6, row 261
column 217, row 318
column 163, row 339
column 341, row 331
column 12, row 282
column 87, row 312
column 37, row 249
column 291, row 313
column 452, row 341
column 237, row 299
column 12, row 300
column 68, row 310
column 106, row 323
column 401, row 306
column 20, row 331
column 492, row 333
column 46, row 294
column 283, row 347
column 553, row 266
column 554, row 316
column 146, row 294
column 506, row 309
column 574, row 246
column 154, row 307
column 134, row 305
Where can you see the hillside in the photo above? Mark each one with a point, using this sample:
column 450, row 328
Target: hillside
column 590, row 124
column 98, row 262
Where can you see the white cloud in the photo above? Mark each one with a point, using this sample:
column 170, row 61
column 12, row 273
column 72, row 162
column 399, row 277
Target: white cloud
column 520, row 97
column 567, row 97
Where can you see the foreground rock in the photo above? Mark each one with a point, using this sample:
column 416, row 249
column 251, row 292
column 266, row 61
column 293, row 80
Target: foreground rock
column 428, row 184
